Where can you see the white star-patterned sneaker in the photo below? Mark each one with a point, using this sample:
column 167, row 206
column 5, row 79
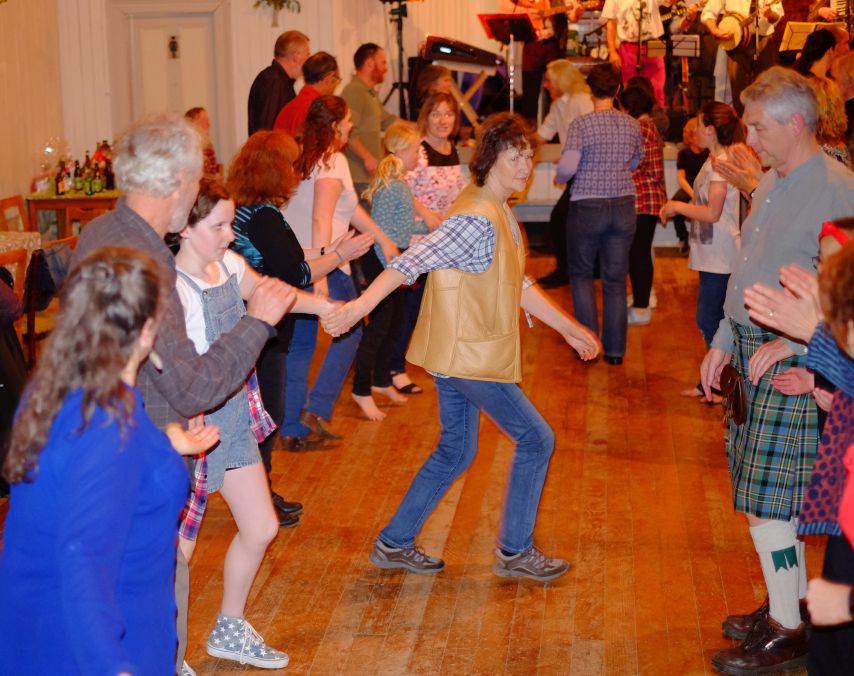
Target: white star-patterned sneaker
column 233, row 638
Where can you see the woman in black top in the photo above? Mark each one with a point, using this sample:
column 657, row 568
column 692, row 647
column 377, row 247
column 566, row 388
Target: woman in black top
column 261, row 180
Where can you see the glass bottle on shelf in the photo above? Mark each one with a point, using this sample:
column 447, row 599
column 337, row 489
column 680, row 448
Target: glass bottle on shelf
column 59, row 180
column 78, row 176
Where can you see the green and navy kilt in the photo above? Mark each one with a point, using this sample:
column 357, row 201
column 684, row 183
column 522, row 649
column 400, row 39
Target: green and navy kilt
column 771, row 455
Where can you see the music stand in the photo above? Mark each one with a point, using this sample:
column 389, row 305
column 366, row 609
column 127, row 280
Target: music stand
column 507, row 29
column 796, row 33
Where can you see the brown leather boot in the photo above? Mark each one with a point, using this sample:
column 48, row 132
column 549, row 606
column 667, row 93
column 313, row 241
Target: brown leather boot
column 769, row 647
column 738, row 626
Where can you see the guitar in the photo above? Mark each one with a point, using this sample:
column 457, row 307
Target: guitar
column 680, row 10
column 586, row 4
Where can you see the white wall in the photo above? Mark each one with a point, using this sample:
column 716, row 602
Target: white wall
column 96, row 69
column 31, row 105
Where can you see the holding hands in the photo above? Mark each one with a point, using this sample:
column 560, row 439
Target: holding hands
column 343, row 317
column 271, row 300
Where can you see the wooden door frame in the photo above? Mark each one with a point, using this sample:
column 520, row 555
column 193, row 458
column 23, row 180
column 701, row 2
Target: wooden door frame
column 120, row 14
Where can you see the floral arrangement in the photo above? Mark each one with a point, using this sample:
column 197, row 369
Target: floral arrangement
column 277, row 5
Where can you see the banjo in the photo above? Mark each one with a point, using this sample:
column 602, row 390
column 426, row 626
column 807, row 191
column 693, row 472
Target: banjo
column 739, row 28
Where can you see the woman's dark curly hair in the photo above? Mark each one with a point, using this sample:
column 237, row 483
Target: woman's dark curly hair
column 263, row 172
column 319, row 133
column 105, row 302
column 499, row 132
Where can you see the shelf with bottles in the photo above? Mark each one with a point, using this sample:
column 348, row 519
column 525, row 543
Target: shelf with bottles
column 94, row 176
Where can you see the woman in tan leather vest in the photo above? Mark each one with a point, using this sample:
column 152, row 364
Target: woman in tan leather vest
column 467, row 337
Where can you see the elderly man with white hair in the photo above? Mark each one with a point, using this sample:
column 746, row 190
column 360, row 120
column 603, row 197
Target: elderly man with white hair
column 158, row 164
column 771, row 448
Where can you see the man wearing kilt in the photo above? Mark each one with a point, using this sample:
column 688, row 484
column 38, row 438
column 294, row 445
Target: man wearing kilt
column 771, row 454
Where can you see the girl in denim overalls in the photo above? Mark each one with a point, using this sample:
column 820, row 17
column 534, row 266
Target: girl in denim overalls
column 212, row 284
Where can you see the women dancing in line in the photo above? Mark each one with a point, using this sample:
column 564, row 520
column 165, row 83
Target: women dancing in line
column 468, row 337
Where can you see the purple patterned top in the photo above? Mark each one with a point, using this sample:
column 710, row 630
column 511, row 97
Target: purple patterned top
column 607, row 145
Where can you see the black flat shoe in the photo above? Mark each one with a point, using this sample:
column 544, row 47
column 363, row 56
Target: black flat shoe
column 612, row 359
column 284, row 507
column 288, row 520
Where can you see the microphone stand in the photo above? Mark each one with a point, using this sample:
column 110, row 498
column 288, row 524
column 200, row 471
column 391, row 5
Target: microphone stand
column 641, row 7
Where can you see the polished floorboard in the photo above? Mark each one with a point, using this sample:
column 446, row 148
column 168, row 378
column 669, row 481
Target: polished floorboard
column 637, row 498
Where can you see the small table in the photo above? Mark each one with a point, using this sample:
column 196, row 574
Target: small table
column 70, row 200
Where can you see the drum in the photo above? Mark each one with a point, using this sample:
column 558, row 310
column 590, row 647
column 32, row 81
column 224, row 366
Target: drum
column 736, row 25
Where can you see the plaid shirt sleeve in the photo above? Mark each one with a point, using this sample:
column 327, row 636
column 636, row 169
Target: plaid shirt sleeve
column 649, row 176
column 261, row 421
column 463, row 242
column 197, row 500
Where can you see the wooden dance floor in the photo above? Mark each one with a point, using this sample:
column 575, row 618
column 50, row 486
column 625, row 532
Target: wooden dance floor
column 637, row 498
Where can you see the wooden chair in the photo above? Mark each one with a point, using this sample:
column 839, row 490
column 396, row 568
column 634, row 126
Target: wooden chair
column 16, row 258
column 40, row 322
column 82, row 216
column 13, row 214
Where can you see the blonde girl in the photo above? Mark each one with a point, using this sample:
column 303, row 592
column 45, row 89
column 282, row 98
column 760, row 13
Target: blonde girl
column 393, row 210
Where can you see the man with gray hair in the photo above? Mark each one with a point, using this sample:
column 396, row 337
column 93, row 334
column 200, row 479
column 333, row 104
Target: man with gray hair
column 273, row 87
column 771, row 447
column 158, row 164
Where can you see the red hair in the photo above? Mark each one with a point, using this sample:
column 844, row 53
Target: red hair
column 263, row 171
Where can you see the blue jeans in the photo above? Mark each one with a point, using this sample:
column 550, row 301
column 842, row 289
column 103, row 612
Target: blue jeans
column 710, row 303
column 330, row 378
column 460, row 404
column 605, row 227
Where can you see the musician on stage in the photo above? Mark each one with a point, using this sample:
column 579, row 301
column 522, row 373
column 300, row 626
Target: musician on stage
column 827, row 10
column 744, row 64
column 550, row 45
column 628, row 22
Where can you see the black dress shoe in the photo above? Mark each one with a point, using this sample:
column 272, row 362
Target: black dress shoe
column 287, row 520
column 553, row 280
column 768, row 648
column 284, row 507
column 613, row 360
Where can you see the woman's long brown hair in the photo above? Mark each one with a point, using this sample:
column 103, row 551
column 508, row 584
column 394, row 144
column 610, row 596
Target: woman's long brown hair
column 106, row 301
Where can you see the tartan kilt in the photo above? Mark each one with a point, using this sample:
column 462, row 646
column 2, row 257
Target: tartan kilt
column 771, row 455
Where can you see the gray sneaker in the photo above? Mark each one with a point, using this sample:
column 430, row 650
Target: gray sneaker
column 531, row 563
column 233, row 638
column 412, row 559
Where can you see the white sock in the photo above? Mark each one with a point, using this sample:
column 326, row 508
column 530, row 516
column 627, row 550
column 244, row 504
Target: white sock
column 777, row 547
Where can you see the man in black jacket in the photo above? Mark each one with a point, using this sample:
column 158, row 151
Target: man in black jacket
column 273, row 87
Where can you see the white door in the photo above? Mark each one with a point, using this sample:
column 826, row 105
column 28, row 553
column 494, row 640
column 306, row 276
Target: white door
column 174, row 65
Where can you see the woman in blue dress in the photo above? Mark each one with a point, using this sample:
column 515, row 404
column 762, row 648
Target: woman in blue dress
column 88, row 561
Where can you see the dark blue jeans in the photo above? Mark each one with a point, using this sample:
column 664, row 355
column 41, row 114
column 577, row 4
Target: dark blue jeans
column 460, row 404
column 333, row 371
column 605, row 227
column 710, row 303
